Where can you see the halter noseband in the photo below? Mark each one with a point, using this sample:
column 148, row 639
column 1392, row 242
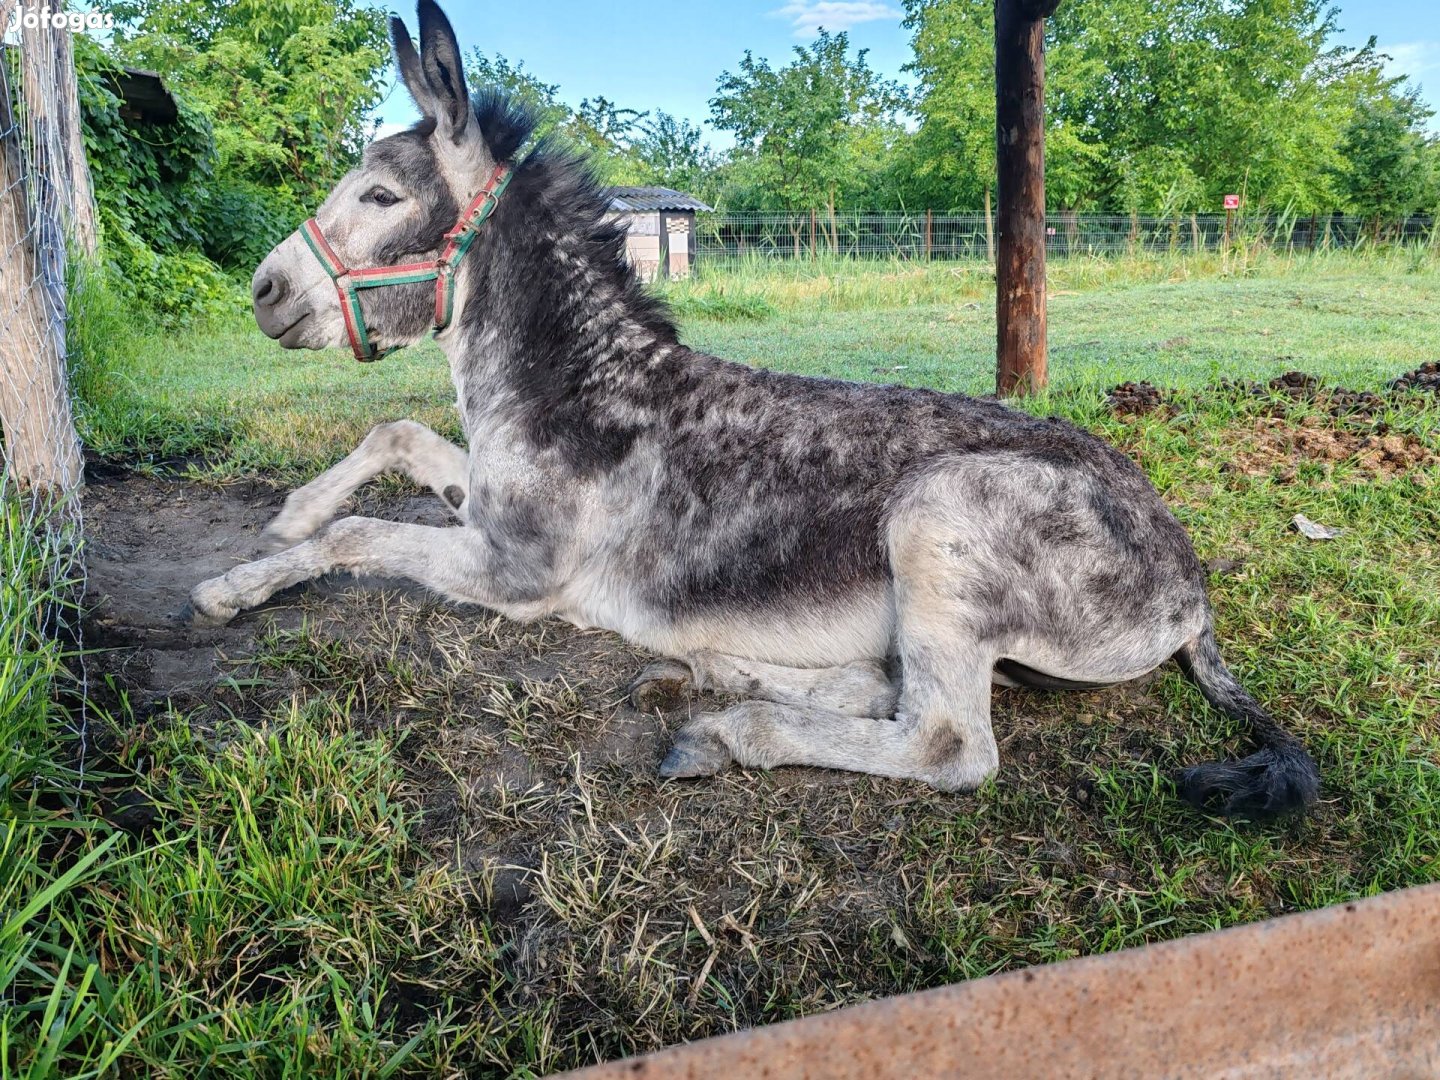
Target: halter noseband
column 442, row 270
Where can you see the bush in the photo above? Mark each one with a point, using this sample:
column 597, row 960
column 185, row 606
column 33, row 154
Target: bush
column 148, row 178
column 177, row 288
column 241, row 221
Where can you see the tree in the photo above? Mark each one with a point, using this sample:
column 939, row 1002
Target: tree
column 672, row 153
column 603, row 131
column 542, row 99
column 1154, row 105
column 953, row 152
column 598, row 130
column 799, row 124
column 1387, row 173
column 287, row 86
column 954, row 149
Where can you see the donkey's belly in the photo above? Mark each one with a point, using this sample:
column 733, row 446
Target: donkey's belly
column 834, row 630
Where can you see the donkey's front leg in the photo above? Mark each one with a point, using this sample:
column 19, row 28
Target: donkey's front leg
column 449, row 561
column 860, row 688
column 400, row 446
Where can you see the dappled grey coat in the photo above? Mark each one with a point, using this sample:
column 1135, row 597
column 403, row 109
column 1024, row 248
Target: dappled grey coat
column 861, row 562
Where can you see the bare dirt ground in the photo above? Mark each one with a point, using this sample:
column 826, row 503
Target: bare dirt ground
column 632, row 913
column 793, row 891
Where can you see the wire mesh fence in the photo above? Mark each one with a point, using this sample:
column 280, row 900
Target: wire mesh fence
column 45, row 214
column 930, row 236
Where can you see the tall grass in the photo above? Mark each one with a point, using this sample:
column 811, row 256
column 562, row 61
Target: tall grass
column 48, row 978
column 257, row 932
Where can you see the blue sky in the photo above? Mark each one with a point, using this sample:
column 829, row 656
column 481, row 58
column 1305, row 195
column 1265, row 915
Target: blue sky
column 667, row 54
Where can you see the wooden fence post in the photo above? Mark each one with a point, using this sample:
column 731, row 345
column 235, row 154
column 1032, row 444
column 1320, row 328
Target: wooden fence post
column 42, row 451
column 1020, row 157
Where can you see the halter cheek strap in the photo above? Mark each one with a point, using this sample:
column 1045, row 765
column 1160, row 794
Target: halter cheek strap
column 440, row 270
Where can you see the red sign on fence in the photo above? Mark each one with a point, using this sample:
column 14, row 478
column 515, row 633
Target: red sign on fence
column 1232, row 202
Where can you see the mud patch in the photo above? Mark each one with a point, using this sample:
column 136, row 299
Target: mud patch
column 149, row 542
column 633, row 912
column 1282, row 449
column 405, row 651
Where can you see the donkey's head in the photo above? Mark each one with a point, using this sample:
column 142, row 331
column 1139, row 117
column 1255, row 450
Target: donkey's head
column 393, row 210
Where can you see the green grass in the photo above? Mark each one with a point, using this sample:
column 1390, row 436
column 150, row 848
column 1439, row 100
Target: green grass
column 301, row 876
column 233, row 402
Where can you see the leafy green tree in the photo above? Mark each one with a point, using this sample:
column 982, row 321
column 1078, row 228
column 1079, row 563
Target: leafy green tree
column 953, row 152
column 801, row 126
column 603, row 132
column 599, row 129
column 287, row 85
column 1388, row 171
column 1154, row 105
column 954, row 148
column 542, row 99
column 672, row 153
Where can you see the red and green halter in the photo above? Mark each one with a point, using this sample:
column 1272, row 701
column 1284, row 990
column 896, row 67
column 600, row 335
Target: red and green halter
column 348, row 283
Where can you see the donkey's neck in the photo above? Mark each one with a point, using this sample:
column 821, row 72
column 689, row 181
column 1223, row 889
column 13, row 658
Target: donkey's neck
column 556, row 339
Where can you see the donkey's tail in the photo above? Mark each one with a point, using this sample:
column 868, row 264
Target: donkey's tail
column 1278, row 778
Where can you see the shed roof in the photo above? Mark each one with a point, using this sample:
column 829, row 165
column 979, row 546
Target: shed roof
column 653, row 198
column 145, row 95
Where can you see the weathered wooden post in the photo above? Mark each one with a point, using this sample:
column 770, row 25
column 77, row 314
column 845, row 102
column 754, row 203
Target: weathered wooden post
column 41, row 450
column 1020, row 157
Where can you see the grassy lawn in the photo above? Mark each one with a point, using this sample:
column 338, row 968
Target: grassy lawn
column 231, row 395
column 401, row 838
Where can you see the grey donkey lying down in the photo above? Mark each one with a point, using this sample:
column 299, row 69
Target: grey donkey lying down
column 861, row 563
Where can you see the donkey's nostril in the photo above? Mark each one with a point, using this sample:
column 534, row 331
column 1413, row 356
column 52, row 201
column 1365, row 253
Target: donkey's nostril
column 268, row 290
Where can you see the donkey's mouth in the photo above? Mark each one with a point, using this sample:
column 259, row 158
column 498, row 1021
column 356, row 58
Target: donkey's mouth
column 289, row 338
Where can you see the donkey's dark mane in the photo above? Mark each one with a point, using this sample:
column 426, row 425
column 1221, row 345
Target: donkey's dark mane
column 562, row 189
column 557, row 321
column 505, row 124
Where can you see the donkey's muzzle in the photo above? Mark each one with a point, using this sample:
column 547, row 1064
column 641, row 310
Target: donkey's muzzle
column 267, row 294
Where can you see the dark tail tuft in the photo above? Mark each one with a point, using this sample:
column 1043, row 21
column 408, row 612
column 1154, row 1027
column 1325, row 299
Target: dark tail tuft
column 1277, row 779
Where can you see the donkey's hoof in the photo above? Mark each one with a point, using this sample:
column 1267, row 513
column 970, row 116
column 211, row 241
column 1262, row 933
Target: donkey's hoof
column 694, row 755
column 193, row 617
column 206, row 608
column 280, row 535
column 660, row 685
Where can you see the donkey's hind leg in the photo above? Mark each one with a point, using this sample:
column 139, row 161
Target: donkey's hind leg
column 941, row 731
column 940, row 735
column 860, row 688
column 399, row 446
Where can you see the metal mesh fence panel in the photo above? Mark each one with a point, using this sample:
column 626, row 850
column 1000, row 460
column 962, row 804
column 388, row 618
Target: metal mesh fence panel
column 44, row 210
column 746, row 234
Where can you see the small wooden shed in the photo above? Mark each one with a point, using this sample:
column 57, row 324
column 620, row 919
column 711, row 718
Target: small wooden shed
column 660, row 229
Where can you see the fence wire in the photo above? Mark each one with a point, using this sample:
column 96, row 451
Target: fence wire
column 746, row 234
column 41, row 466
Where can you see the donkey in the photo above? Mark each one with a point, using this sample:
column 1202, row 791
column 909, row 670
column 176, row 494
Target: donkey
column 860, row 563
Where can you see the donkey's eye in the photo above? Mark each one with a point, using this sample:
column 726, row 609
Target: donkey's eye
column 382, row 196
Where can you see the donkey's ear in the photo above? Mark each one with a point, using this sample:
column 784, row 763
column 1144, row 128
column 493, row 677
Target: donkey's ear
column 440, row 61
column 407, row 60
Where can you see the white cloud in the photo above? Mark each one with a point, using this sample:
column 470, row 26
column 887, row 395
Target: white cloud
column 806, row 17
column 1413, row 58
